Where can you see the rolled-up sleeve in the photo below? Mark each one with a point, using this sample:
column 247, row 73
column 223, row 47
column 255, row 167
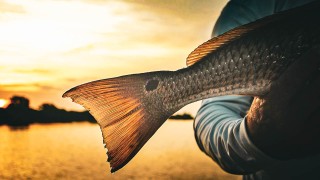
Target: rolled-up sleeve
column 220, row 132
column 220, row 126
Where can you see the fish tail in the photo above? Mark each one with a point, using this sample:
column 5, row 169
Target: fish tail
column 128, row 110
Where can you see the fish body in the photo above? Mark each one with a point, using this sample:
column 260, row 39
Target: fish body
column 243, row 61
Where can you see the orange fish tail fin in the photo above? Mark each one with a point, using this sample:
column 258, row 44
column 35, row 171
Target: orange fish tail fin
column 127, row 109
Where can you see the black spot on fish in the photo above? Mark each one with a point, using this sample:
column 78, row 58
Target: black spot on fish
column 152, row 84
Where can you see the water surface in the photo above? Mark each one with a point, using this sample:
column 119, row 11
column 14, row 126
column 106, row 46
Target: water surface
column 75, row 151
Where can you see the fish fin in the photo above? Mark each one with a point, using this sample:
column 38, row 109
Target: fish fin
column 216, row 42
column 213, row 44
column 125, row 114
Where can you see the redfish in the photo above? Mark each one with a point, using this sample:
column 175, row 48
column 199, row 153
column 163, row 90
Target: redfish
column 242, row 61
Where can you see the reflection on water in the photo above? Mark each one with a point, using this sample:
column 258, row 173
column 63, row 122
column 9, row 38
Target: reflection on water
column 17, row 128
column 75, row 151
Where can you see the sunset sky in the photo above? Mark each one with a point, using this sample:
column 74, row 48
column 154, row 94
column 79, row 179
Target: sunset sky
column 49, row 46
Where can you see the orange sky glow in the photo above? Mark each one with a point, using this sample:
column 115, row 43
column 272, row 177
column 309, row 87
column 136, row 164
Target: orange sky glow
column 49, row 46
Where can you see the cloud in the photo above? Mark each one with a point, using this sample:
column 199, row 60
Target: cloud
column 6, row 7
column 33, row 71
column 155, row 25
column 27, row 87
column 166, row 23
column 185, row 9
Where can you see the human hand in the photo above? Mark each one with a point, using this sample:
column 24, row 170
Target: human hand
column 285, row 123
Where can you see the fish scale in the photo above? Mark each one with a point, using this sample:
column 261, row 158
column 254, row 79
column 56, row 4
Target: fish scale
column 244, row 61
column 259, row 71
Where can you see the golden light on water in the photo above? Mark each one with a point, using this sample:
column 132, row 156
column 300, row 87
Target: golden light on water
column 76, row 151
column 50, row 46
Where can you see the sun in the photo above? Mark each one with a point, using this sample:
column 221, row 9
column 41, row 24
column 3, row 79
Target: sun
column 3, row 102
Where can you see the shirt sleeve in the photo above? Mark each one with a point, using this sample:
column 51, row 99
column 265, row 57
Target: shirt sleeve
column 220, row 126
column 221, row 133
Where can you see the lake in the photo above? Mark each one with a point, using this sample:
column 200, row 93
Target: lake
column 75, row 151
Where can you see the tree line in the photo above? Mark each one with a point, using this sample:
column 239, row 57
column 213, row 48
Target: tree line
column 19, row 113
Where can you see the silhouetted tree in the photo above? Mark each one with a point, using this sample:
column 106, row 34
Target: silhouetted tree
column 184, row 116
column 3, row 116
column 48, row 107
column 19, row 113
column 50, row 113
column 19, row 102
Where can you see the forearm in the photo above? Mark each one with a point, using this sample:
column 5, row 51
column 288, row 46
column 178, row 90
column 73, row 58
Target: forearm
column 285, row 123
column 221, row 133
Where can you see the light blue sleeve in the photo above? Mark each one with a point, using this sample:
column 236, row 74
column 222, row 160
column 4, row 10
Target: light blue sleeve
column 220, row 126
